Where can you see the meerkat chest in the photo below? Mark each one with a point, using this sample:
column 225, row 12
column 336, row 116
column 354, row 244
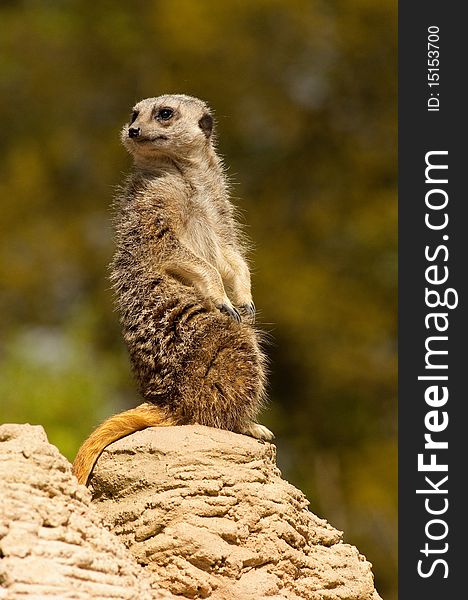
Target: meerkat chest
column 201, row 234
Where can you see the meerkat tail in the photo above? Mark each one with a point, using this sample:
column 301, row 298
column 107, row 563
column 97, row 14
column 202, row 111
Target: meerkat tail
column 113, row 429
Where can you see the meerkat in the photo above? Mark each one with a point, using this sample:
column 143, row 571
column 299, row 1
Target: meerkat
column 181, row 283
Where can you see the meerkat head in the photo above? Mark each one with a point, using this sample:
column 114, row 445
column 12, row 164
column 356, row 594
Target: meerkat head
column 175, row 126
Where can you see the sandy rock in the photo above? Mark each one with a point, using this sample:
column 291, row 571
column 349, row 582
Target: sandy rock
column 208, row 514
column 52, row 542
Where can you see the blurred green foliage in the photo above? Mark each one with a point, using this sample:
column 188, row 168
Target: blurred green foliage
column 305, row 97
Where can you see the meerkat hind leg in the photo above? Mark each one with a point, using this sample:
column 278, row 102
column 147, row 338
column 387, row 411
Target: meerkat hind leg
column 257, row 431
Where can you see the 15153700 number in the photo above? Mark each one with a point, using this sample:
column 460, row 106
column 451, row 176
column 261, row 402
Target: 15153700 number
column 433, row 75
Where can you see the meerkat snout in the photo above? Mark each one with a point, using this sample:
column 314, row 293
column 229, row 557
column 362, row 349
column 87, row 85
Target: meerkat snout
column 133, row 132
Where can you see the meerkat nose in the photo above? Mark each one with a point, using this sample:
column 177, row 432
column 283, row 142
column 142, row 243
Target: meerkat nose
column 133, row 132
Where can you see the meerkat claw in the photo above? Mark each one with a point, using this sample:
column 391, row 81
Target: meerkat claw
column 248, row 310
column 259, row 432
column 230, row 311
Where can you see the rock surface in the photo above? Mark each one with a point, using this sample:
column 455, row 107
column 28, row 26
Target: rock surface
column 52, row 542
column 209, row 516
column 204, row 514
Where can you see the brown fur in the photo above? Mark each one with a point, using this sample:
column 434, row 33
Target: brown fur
column 182, row 283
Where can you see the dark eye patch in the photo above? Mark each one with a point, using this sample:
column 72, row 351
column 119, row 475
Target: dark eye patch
column 164, row 114
column 135, row 114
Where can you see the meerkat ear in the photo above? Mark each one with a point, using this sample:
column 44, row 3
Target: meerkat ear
column 206, row 124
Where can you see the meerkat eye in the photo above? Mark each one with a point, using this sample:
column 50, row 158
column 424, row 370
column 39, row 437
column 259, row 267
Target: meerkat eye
column 135, row 114
column 164, row 114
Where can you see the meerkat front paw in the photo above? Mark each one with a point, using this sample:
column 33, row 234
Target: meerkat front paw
column 248, row 312
column 229, row 310
column 259, row 432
